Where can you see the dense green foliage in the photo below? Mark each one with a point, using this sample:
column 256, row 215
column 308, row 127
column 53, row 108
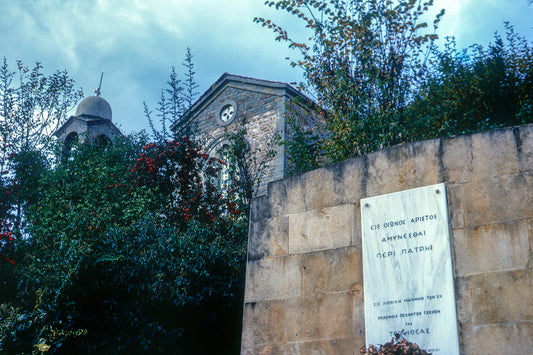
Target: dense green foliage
column 363, row 62
column 303, row 145
column 379, row 79
column 32, row 105
column 132, row 249
column 475, row 89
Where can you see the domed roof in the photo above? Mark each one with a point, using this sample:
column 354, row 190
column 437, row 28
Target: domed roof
column 94, row 106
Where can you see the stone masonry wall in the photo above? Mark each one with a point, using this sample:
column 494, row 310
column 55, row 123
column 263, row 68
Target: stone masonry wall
column 90, row 129
column 304, row 281
column 263, row 114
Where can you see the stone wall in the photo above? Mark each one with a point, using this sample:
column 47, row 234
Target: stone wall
column 261, row 110
column 304, row 281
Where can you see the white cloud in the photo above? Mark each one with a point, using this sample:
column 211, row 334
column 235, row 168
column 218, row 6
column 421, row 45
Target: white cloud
column 137, row 41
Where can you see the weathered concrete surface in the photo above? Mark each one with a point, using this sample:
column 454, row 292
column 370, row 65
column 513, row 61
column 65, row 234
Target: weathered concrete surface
column 304, row 287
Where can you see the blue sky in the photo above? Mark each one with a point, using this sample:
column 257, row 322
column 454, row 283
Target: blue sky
column 137, row 42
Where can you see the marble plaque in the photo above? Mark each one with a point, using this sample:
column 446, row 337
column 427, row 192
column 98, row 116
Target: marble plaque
column 407, row 267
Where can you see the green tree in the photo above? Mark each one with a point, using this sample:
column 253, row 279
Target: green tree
column 364, row 60
column 175, row 100
column 304, row 143
column 475, row 89
column 32, row 106
column 107, row 269
column 191, row 86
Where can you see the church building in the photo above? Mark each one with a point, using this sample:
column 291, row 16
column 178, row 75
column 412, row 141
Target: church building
column 259, row 106
column 232, row 103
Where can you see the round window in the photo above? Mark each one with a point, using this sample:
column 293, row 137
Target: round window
column 227, row 113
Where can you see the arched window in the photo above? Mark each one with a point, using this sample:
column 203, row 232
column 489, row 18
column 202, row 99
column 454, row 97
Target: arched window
column 103, row 141
column 216, row 149
column 71, row 142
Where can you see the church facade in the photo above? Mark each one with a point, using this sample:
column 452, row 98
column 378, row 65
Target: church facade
column 259, row 106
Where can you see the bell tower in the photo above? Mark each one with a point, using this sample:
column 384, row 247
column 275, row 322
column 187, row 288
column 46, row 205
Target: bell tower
column 92, row 122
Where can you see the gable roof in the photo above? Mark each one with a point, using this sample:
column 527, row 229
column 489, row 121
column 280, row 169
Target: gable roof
column 243, row 82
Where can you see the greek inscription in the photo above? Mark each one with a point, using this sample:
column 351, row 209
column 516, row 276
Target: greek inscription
column 405, row 332
column 388, row 316
column 403, row 222
column 407, row 300
column 386, row 254
column 392, row 302
column 415, row 250
column 424, row 218
column 414, row 299
column 410, row 314
column 433, row 311
column 411, row 235
column 434, row 297
column 391, row 224
column 405, row 242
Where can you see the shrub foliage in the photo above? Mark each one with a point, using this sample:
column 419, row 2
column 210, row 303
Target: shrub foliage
column 129, row 248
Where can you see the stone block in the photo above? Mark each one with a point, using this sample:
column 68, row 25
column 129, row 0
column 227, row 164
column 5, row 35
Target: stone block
column 287, row 196
column 457, row 156
column 463, row 299
column 324, row 316
column 357, row 236
column 269, row 237
column 320, row 347
column 455, row 205
column 302, row 319
column 498, row 339
column 502, row 297
column 273, row 278
column 320, row 189
column 497, row 199
column 335, row 314
column 260, row 208
column 263, row 324
column 326, row 228
column 480, row 155
column 530, row 258
column 358, row 311
column 494, row 153
column 524, row 139
column 351, row 186
column 269, row 349
column 335, row 184
column 403, row 167
column 490, row 248
column 332, row 270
